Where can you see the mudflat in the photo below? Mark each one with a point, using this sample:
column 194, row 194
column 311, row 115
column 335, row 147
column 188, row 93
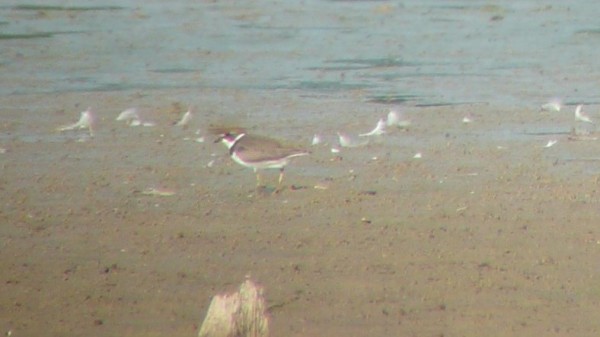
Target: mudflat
column 489, row 232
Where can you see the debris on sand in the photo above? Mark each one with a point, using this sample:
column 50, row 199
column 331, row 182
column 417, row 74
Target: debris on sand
column 241, row 314
column 160, row 192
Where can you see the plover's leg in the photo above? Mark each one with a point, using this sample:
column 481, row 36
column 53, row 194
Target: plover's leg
column 257, row 178
column 278, row 189
column 280, row 177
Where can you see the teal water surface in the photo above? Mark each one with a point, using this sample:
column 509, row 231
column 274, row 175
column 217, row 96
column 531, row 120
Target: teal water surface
column 419, row 52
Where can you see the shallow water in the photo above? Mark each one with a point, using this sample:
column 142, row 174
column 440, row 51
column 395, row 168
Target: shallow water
column 416, row 52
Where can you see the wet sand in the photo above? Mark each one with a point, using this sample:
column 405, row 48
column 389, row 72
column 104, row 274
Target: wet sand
column 489, row 233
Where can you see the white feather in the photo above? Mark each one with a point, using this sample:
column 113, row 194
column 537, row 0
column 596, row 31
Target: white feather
column 86, row 120
column 185, row 119
column 397, row 119
column 133, row 117
column 582, row 116
column 553, row 105
column 316, row 140
column 393, row 118
column 551, row 143
column 128, row 115
column 347, row 141
column 378, row 130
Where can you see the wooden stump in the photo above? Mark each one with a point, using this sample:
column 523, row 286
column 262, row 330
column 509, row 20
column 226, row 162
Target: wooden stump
column 241, row 314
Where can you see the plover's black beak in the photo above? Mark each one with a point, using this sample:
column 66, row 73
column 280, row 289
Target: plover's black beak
column 222, row 136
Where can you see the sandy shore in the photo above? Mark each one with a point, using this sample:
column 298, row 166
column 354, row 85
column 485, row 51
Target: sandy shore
column 489, row 233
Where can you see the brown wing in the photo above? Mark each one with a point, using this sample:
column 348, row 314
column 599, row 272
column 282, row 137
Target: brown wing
column 256, row 148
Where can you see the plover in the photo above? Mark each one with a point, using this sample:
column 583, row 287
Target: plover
column 259, row 152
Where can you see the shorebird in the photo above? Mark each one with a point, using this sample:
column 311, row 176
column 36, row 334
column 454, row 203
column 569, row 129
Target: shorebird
column 258, row 152
column 582, row 116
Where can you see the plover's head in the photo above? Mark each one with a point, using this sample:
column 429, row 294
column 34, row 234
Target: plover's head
column 229, row 138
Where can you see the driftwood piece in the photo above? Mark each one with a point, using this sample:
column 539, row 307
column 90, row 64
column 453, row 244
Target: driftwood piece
column 241, row 314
